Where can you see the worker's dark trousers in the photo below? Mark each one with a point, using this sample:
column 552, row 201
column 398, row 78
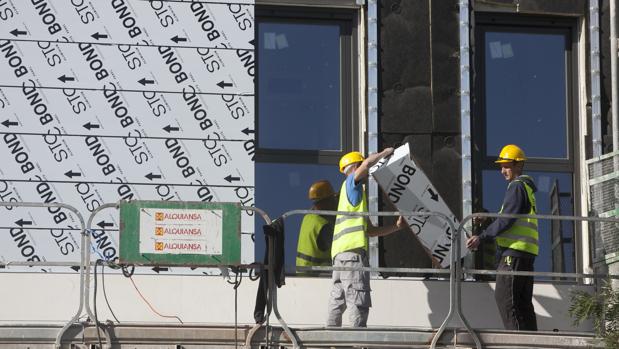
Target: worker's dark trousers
column 514, row 294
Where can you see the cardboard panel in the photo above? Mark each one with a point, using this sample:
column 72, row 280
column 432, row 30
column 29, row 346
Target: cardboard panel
column 410, row 190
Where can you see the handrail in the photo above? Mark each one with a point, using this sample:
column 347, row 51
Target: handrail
column 458, row 280
column 272, row 299
column 86, row 295
column 81, row 264
column 455, row 270
column 453, row 267
column 272, row 289
column 377, row 269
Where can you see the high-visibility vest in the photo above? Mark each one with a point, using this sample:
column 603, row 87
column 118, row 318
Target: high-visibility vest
column 350, row 231
column 308, row 253
column 523, row 234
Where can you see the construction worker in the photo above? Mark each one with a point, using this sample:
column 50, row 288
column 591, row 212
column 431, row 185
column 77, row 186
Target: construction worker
column 517, row 243
column 314, row 244
column 351, row 289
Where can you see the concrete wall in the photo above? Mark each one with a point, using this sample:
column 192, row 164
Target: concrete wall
column 28, row 298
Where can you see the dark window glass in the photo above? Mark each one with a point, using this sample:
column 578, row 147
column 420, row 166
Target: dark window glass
column 284, row 187
column 299, row 86
column 524, row 95
column 306, row 102
column 526, row 85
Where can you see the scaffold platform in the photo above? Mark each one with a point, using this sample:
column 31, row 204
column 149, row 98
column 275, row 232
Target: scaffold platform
column 187, row 336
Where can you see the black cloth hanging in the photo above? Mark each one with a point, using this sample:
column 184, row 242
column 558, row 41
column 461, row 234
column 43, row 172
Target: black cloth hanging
column 273, row 231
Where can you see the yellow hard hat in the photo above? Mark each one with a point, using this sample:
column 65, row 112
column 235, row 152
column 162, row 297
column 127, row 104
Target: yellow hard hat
column 320, row 190
column 509, row 153
column 350, row 158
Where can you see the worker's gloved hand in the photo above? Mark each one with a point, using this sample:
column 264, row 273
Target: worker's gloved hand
column 473, row 242
column 479, row 220
column 401, row 223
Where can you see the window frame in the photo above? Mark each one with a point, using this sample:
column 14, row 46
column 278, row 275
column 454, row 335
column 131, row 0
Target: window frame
column 349, row 81
column 350, row 121
column 508, row 23
column 567, row 26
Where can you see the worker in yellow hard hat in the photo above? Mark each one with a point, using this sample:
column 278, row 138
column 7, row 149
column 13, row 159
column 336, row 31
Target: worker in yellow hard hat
column 314, row 244
column 517, row 242
column 351, row 289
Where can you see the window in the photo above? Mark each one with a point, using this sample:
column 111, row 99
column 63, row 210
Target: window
column 524, row 94
column 305, row 109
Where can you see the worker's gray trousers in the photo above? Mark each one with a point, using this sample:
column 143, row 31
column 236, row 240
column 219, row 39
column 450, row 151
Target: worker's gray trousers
column 350, row 289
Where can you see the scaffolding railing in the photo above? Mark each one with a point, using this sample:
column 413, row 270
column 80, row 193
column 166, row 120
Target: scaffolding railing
column 81, row 263
column 272, row 289
column 456, row 272
column 457, row 298
column 454, row 310
column 603, row 182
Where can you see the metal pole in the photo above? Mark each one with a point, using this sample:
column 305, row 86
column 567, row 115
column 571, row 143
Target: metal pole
column 272, row 298
column 75, row 317
column 87, row 277
column 455, row 298
column 614, row 107
column 465, row 109
column 372, row 96
column 83, row 264
column 613, row 75
column 596, row 110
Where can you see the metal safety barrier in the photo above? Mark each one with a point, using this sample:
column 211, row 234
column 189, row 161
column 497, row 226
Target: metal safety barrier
column 81, row 263
column 85, row 266
column 271, row 300
column 452, row 267
column 456, row 272
column 455, row 305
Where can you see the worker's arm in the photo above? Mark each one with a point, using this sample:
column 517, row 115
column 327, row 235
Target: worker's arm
column 382, row 231
column 515, row 202
column 325, row 237
column 362, row 172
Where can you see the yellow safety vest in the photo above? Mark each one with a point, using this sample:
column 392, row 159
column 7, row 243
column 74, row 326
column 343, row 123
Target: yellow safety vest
column 523, row 234
column 350, row 231
column 308, row 253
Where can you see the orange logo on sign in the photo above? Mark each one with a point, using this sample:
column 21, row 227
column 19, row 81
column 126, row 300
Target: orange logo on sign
column 159, row 231
column 158, row 216
column 158, row 246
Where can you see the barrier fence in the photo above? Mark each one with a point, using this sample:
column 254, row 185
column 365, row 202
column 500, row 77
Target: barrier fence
column 456, row 272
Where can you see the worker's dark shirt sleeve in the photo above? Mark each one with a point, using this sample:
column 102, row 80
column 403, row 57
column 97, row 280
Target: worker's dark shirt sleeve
column 325, row 237
column 515, row 202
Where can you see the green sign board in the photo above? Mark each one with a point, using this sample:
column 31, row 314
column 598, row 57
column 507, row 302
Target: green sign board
column 180, row 233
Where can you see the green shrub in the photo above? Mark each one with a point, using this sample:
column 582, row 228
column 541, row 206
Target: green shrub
column 602, row 308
